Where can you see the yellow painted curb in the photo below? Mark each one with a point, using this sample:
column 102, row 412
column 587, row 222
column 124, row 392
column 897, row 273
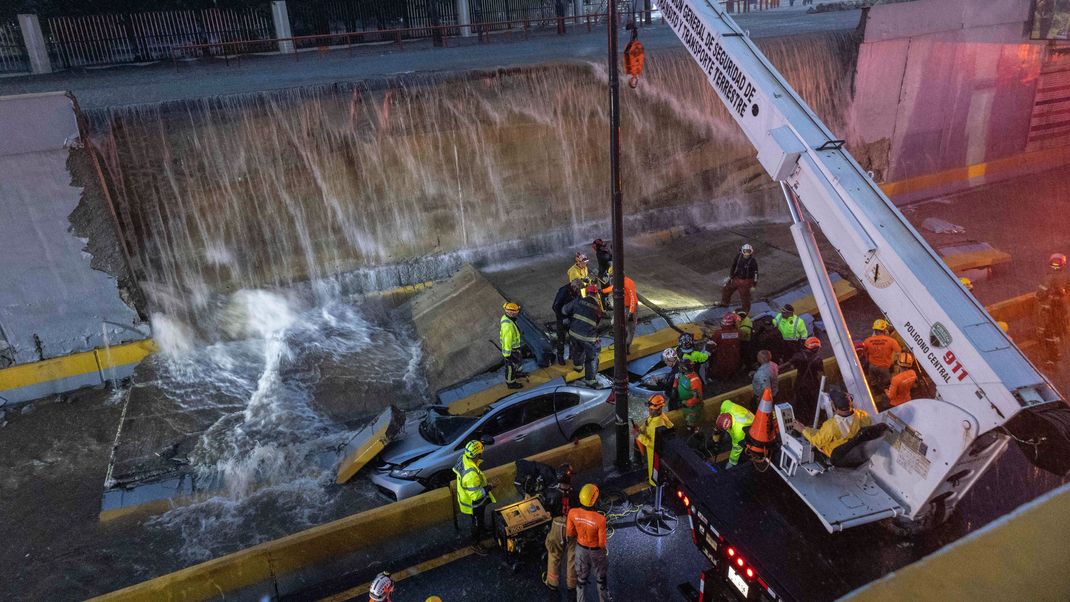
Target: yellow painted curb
column 76, row 364
column 1034, row 161
column 264, row 562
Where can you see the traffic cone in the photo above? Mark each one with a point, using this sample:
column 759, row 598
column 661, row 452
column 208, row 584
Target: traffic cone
column 762, row 431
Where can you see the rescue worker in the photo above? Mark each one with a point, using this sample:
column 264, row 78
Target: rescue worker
column 585, row 314
column 473, row 492
column 810, row 369
column 689, row 390
column 792, row 329
column 646, row 432
column 742, row 277
column 579, row 271
column 903, row 379
column 589, row 529
column 510, row 342
column 767, row 376
column 564, row 296
column 686, row 349
column 728, row 349
column 746, row 329
column 631, row 305
column 843, row 432
column 602, row 256
column 1052, row 296
column 881, row 350
column 666, row 382
column 558, row 545
column 734, row 419
column 382, row 588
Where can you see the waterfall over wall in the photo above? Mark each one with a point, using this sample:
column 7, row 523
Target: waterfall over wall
column 219, row 194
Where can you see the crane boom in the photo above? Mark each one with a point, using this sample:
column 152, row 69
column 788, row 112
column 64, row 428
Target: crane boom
column 982, row 379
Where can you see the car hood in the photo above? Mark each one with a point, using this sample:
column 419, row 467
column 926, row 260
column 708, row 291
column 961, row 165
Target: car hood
column 408, row 446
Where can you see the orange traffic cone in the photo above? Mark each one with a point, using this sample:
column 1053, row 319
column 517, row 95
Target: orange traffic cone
column 762, row 431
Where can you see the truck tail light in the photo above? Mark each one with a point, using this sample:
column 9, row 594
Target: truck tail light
column 612, row 399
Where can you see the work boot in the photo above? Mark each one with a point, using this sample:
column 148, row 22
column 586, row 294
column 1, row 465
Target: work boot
column 561, row 360
column 478, row 549
column 577, row 368
column 514, row 385
column 591, row 383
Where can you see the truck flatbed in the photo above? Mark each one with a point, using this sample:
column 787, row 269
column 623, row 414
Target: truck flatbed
column 757, row 514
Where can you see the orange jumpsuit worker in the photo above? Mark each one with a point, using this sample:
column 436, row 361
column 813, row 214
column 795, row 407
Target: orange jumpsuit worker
column 881, row 350
column 589, row 529
column 631, row 306
column 902, row 381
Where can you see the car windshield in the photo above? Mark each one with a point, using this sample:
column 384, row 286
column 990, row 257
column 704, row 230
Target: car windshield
column 440, row 428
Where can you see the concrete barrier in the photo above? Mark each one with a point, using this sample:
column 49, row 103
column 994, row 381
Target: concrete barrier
column 269, row 561
column 25, row 382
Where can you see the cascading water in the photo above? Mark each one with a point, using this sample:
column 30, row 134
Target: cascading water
column 253, row 219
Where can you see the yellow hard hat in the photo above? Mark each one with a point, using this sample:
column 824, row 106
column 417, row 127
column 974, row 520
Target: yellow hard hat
column 433, row 599
column 473, row 448
column 1004, row 326
column 967, row 283
column 510, row 306
column 589, row 494
column 880, row 324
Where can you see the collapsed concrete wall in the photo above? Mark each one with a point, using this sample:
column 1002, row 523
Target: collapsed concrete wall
column 55, row 299
column 943, row 84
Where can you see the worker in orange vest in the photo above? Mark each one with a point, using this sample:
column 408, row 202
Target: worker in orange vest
column 631, row 305
column 589, row 529
column 881, row 350
column 903, row 380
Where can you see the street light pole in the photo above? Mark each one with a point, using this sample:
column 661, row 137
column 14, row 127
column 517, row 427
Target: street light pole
column 620, row 336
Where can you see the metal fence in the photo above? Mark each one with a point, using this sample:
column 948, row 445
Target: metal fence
column 13, row 57
column 321, row 17
column 139, row 37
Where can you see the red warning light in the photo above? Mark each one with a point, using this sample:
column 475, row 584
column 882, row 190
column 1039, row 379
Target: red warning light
column 739, row 561
column 731, row 552
column 750, row 573
column 680, row 493
column 687, row 502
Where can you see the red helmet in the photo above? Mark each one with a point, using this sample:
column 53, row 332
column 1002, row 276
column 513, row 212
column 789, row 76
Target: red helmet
column 1057, row 261
column 812, row 343
column 729, row 320
column 592, row 289
column 724, row 421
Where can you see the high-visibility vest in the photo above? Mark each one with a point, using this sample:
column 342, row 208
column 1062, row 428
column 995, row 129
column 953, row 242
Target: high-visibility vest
column 742, row 418
column 471, row 484
column 792, row 329
column 510, row 336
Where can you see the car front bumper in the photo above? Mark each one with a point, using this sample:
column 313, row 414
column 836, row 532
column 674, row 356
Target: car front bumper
column 397, row 489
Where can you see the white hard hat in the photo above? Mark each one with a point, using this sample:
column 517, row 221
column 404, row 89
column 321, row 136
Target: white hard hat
column 382, row 585
column 669, row 355
column 746, row 248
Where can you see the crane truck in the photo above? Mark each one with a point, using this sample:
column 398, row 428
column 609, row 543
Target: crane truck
column 791, row 527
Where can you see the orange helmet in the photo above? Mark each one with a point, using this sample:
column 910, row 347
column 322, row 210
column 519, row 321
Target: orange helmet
column 812, row 343
column 656, row 402
column 724, row 421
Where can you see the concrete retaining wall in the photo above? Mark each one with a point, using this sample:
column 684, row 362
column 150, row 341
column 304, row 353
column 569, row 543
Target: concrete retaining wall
column 53, row 300
column 942, row 84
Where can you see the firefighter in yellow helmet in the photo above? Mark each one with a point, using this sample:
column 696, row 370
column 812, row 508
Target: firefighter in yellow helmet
column 589, row 529
column 473, row 492
column 881, row 351
column 510, row 342
column 645, row 433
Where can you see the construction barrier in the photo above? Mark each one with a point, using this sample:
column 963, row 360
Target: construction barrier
column 267, row 562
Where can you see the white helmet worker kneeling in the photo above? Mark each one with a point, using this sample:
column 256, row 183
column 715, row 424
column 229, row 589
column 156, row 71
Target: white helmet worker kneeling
column 589, row 529
column 842, row 435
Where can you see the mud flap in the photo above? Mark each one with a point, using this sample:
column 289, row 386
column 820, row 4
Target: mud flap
column 369, row 441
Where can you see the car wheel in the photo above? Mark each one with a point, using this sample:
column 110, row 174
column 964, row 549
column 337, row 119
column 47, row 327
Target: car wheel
column 585, row 431
column 439, row 479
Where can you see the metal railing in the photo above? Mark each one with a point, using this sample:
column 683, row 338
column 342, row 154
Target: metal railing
column 13, row 57
column 443, row 35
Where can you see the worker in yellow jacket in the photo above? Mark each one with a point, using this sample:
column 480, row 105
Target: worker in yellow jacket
column 644, row 439
column 843, row 432
column 473, row 492
column 510, row 342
